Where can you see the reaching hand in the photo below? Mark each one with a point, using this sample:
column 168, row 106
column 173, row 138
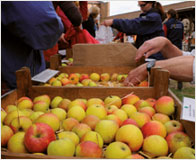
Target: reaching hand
column 107, row 22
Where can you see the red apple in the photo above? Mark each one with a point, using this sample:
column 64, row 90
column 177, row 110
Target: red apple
column 73, row 78
column 173, row 126
column 84, row 76
column 130, row 99
column 91, row 121
column 148, row 110
column 151, row 101
column 129, row 121
column 38, row 137
column 163, row 118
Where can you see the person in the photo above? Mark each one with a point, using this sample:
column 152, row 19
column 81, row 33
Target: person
column 181, row 65
column 147, row 26
column 27, row 29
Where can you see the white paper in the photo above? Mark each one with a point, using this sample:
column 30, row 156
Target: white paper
column 188, row 109
column 45, row 75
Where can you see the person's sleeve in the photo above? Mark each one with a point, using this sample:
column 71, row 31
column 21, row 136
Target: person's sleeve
column 165, row 30
column 139, row 26
column 71, row 11
column 84, row 9
column 35, row 23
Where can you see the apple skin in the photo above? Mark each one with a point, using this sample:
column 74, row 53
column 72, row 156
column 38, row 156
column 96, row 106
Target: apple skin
column 113, row 100
column 173, row 126
column 177, row 140
column 155, row 145
column 77, row 102
column 114, row 118
column 6, row 134
column 38, row 137
column 140, row 118
column 184, row 153
column 92, row 84
column 129, row 109
column 165, row 105
column 10, row 108
column 154, row 128
column 143, row 84
column 130, row 99
column 21, row 123
column 110, row 109
column 88, row 149
column 55, row 101
column 73, row 78
column 11, row 115
column 91, row 121
column 69, row 123
column 151, row 101
column 114, row 77
column 44, row 98
column 76, row 112
column 95, row 77
column 148, row 110
column 163, row 118
column 121, row 114
column 71, row 135
column 130, row 121
column 61, row 147
column 35, row 115
column 92, row 101
column 40, row 106
column 93, row 137
column 64, row 104
column 59, row 112
column 16, row 143
column 56, row 83
column 131, row 135
column 96, row 110
column 65, row 81
column 24, row 102
column 141, row 103
column 49, row 118
column 86, row 82
column 3, row 115
column 105, row 77
column 107, row 129
column 84, row 76
column 117, row 150
column 81, row 129
column 135, row 156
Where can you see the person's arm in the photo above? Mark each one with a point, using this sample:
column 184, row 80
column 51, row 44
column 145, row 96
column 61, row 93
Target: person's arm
column 165, row 29
column 158, row 44
column 180, row 68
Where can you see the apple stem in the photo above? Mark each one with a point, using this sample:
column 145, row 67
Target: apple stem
column 170, row 155
column 145, row 155
column 127, row 95
column 59, row 131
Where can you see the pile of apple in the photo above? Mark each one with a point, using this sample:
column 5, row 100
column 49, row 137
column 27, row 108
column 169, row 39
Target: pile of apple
column 68, row 63
column 115, row 127
column 92, row 80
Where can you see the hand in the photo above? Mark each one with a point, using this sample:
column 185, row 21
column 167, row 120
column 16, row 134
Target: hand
column 107, row 22
column 62, row 38
column 136, row 76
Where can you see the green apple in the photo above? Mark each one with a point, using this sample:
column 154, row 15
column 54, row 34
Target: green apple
column 113, row 100
column 71, row 135
column 10, row 108
column 41, row 106
column 44, row 98
column 35, row 115
column 59, row 112
column 64, row 104
column 76, row 112
column 11, row 115
column 56, row 83
column 56, row 101
column 129, row 109
column 81, row 129
column 24, row 102
column 92, row 84
column 184, row 153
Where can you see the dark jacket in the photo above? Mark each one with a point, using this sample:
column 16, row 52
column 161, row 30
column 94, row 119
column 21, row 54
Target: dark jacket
column 89, row 25
column 174, row 31
column 147, row 26
column 27, row 29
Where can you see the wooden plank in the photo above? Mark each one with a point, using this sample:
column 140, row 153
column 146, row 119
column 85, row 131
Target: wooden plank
column 69, row 53
column 9, row 98
column 55, row 61
column 152, row 75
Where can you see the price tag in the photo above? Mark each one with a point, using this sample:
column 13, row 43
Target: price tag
column 188, row 109
column 45, row 75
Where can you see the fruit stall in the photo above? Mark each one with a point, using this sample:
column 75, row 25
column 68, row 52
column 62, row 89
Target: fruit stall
column 133, row 134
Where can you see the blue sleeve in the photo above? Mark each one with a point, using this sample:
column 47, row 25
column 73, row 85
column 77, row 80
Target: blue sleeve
column 139, row 26
column 35, row 23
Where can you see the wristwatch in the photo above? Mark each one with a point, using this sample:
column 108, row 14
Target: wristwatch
column 150, row 64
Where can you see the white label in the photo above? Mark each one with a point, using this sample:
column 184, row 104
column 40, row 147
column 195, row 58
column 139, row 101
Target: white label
column 188, row 109
column 45, row 75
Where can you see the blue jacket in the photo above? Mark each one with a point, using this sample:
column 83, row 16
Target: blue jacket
column 147, row 26
column 27, row 29
column 175, row 30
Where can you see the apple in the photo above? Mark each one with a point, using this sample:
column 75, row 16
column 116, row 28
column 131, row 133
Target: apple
column 16, row 143
column 77, row 102
column 130, row 121
column 96, row 110
column 177, row 140
column 143, row 84
column 35, row 115
column 92, row 101
column 129, row 109
column 141, row 103
column 107, row 129
column 131, row 135
column 148, row 110
column 40, row 106
column 56, row 101
column 83, row 76
column 10, row 108
column 73, row 78
column 135, row 156
column 105, row 77
column 63, row 75
column 71, row 135
column 154, row 128
column 24, row 102
column 81, row 129
column 121, row 78
column 92, row 84
column 165, row 105
column 56, row 83
column 95, row 77
column 6, row 134
column 11, row 115
column 117, row 150
column 91, row 121
column 44, row 98
column 69, row 123
column 61, row 147
column 27, row 112
column 79, row 85
column 155, row 145
column 114, row 118
column 38, row 137
column 93, row 137
column 64, row 104
column 76, row 112
column 51, row 80
column 3, row 115
column 82, row 99
column 121, row 114
column 20, row 124
column 49, row 118
column 151, row 101
column 88, row 149
column 65, row 81
column 113, row 100
column 173, row 126
column 130, row 99
column 114, row 77
column 59, row 112
column 110, row 109
column 184, row 153
column 86, row 82
column 140, row 118
column 70, row 59
column 163, row 118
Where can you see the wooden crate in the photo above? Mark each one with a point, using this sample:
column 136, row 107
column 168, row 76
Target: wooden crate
column 158, row 87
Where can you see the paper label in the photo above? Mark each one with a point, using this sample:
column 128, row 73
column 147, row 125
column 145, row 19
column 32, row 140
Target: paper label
column 188, row 109
column 45, row 75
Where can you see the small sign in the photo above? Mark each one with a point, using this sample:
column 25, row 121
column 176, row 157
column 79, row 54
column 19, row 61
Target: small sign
column 188, row 109
column 64, row 61
column 45, row 75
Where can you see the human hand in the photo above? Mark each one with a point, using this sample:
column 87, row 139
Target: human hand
column 107, row 22
column 136, row 76
column 62, row 38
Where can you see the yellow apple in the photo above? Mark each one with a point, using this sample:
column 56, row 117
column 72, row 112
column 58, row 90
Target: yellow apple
column 129, row 109
column 184, row 153
column 64, row 104
column 95, row 77
column 113, row 100
column 6, row 134
column 114, row 118
column 24, row 102
column 77, row 102
column 35, row 115
column 44, row 98
column 85, row 82
column 92, row 101
column 81, row 129
column 71, row 135
column 56, row 83
column 10, row 108
column 11, row 115
column 91, row 121
column 105, row 77
column 140, row 118
column 69, row 123
column 110, row 109
column 27, row 112
column 3, row 115
column 76, row 112
column 163, row 118
column 55, row 101
column 121, row 114
column 96, row 110
column 92, row 84
column 41, row 106
column 59, row 112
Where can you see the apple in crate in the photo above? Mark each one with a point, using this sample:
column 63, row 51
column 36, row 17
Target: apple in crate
column 81, row 129
column 92, row 101
column 141, row 103
column 173, row 126
column 129, row 109
column 40, row 106
column 91, row 121
column 110, row 109
column 130, row 99
column 64, row 104
column 3, row 115
column 83, row 76
column 56, row 101
column 38, row 137
column 105, row 77
column 130, row 121
column 24, row 102
column 113, row 100
column 44, row 98
column 71, row 135
column 148, row 110
column 69, row 123
column 11, row 115
column 10, row 108
column 135, row 156
column 77, row 102
column 95, row 77
column 184, row 153
column 163, row 118
column 76, row 112
column 96, row 110
column 73, row 78
column 114, row 118
column 140, row 118
column 6, row 134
